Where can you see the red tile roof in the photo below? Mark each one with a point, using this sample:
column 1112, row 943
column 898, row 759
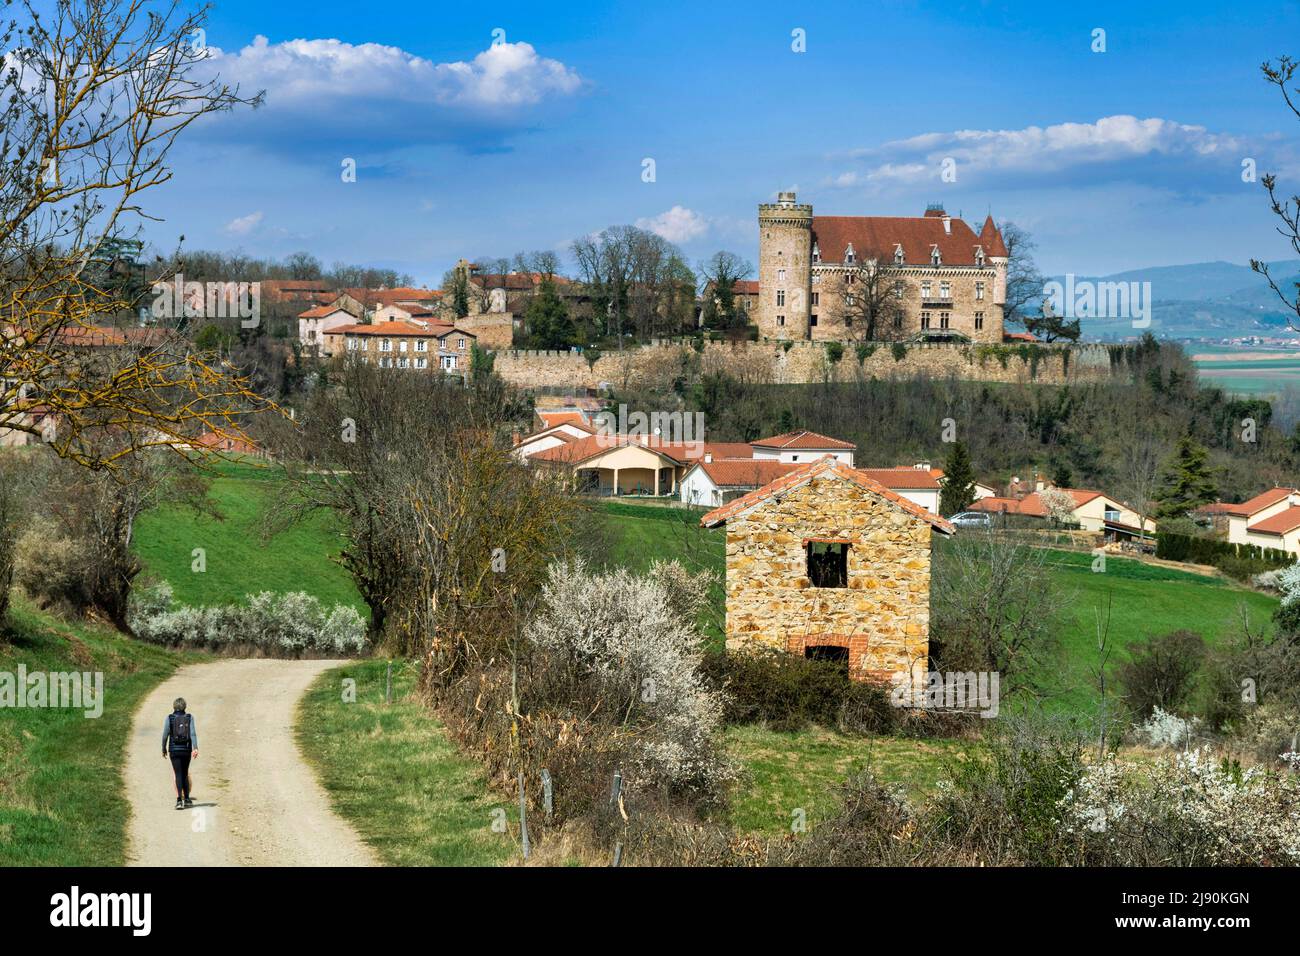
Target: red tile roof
column 394, row 329
column 745, row 472
column 877, row 237
column 823, row 467
column 803, row 440
column 320, row 311
column 1278, row 524
column 1259, row 502
column 745, row 287
column 907, row 479
column 1030, row 505
column 551, row 419
column 1019, row 337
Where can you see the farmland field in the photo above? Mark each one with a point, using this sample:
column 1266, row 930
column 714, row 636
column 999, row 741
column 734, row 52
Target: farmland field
column 1252, row 372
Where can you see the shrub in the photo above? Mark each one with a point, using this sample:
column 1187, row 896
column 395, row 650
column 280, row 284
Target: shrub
column 627, row 646
column 788, row 692
column 864, row 351
column 899, row 351
column 834, row 351
column 1162, row 672
column 289, row 624
column 1188, row 810
column 1163, row 729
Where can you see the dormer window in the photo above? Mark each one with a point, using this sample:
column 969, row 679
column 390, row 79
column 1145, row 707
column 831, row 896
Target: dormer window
column 979, row 256
column 898, row 255
column 848, row 253
column 935, row 258
column 817, row 253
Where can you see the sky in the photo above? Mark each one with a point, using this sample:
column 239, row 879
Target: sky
column 488, row 129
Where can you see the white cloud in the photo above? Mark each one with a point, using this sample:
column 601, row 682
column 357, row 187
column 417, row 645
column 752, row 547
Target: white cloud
column 244, row 224
column 507, row 74
column 678, row 224
column 1038, row 149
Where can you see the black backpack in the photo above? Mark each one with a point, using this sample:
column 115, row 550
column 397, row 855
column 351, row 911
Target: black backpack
column 180, row 731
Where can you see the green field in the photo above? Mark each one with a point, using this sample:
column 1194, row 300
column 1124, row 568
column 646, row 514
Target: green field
column 61, row 796
column 392, row 772
column 1144, row 599
column 240, row 558
column 1247, row 371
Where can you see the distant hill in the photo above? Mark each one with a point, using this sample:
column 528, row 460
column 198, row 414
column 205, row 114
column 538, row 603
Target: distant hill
column 1203, row 300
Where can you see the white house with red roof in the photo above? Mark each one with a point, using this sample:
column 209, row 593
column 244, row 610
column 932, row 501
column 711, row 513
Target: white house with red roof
column 1271, row 519
column 802, row 447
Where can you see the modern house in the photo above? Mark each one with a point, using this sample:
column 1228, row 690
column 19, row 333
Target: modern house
column 1269, row 520
column 1093, row 511
column 826, row 562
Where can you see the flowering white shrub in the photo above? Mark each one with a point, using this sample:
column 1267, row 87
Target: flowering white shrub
column 1288, row 582
column 288, row 624
column 1163, row 729
column 631, row 643
column 1183, row 811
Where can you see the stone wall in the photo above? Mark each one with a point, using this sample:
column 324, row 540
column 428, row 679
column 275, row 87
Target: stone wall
column 660, row 363
column 882, row 617
column 492, row 330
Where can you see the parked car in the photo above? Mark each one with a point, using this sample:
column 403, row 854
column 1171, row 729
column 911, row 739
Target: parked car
column 972, row 519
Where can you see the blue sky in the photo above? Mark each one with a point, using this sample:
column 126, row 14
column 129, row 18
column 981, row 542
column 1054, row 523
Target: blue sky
column 1116, row 160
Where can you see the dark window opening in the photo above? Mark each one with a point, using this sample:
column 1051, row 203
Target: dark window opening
column 828, row 564
column 825, row 652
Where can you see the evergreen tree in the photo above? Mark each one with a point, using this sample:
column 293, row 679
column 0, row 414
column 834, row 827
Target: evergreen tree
column 1188, row 481
column 958, row 489
column 548, row 319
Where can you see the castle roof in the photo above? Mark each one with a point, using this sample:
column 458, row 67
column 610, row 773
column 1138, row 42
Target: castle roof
column 878, row 237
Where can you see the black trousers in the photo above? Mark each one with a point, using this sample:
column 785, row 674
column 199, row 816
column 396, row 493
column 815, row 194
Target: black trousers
column 181, row 764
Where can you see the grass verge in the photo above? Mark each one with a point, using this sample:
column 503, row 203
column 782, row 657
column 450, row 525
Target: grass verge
column 62, row 800
column 394, row 774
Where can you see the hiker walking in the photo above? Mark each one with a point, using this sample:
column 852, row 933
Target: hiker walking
column 180, row 741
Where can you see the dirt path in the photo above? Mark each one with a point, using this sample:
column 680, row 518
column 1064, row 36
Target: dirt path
column 256, row 802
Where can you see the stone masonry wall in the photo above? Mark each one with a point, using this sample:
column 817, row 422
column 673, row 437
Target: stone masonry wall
column 882, row 617
column 660, row 363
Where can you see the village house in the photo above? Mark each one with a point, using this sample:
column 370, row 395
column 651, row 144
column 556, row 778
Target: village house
column 1269, row 520
column 827, row 563
column 397, row 344
column 1092, row 511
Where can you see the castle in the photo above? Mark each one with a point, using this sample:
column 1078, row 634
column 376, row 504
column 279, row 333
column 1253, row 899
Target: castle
column 842, row 278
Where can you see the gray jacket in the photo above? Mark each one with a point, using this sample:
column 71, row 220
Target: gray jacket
column 194, row 732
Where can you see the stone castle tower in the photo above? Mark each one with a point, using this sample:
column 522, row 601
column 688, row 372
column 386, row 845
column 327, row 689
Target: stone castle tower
column 784, row 267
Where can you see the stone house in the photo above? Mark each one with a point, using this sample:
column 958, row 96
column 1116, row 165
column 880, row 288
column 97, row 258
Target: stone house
column 828, row 563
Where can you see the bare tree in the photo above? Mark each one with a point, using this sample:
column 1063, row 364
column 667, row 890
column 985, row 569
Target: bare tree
column 719, row 275
column 873, row 304
column 95, row 94
column 1281, row 75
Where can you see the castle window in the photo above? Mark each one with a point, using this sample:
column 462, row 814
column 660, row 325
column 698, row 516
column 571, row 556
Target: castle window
column 848, row 253
column 812, row 320
column 817, row 278
column 925, row 290
column 849, row 299
column 979, row 258
column 850, row 278
column 898, row 320
column 979, row 320
column 943, row 319
column 817, row 253
column 935, row 258
column 780, row 320
column 780, row 296
column 816, row 298
column 979, row 291
column 828, row 564
column 945, row 290
column 898, row 290
column 925, row 320
column 780, row 276
column 898, row 255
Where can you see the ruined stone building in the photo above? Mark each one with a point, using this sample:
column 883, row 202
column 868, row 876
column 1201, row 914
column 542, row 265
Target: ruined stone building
column 935, row 276
column 826, row 562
